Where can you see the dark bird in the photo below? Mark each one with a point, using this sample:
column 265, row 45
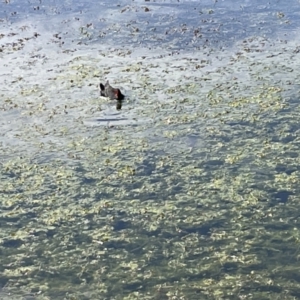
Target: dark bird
column 113, row 94
column 108, row 91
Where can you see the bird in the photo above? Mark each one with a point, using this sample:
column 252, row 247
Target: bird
column 113, row 94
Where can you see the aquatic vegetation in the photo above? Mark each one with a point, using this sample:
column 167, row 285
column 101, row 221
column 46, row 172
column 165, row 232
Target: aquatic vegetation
column 189, row 192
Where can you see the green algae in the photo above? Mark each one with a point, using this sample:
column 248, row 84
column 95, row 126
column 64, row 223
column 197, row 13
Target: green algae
column 198, row 202
column 134, row 218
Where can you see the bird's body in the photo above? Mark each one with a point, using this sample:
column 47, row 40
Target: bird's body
column 108, row 91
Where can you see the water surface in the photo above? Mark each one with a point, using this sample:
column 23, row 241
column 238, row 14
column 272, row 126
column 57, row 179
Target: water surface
column 190, row 191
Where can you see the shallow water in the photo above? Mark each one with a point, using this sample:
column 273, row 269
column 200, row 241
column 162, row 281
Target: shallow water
column 190, row 191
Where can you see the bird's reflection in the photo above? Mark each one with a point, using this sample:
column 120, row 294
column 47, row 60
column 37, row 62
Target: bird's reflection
column 119, row 105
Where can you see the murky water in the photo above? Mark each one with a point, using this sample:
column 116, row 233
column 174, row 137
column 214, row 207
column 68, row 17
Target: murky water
column 190, row 191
